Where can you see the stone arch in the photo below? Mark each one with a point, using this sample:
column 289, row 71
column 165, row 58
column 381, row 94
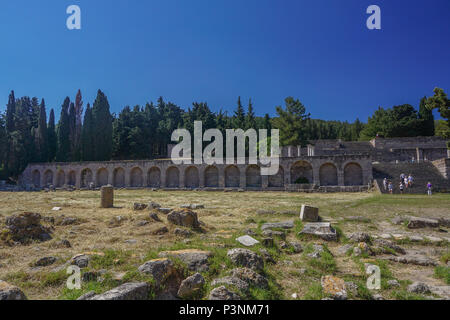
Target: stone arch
column 72, row 178
column 232, row 177
column 277, row 180
column 36, row 178
column 86, row 178
column 119, row 178
column 302, row 170
column 211, row 177
column 136, row 177
column 191, row 177
column 154, row 177
column 253, row 176
column 48, row 177
column 102, row 177
column 60, row 178
column 173, row 177
column 328, row 175
column 353, row 175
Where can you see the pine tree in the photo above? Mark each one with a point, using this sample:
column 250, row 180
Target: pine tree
column 102, row 128
column 87, row 138
column 51, row 136
column 291, row 122
column 42, row 135
column 239, row 116
column 250, row 121
column 63, row 133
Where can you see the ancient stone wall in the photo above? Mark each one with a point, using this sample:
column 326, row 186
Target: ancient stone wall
column 407, row 149
column 344, row 170
column 443, row 165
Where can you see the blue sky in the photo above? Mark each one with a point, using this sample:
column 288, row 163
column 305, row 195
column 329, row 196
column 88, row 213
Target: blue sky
column 214, row 50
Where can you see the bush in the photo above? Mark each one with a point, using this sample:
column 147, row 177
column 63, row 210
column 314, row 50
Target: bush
column 302, row 180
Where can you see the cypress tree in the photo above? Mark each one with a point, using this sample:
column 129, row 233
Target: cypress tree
column 42, row 134
column 78, row 124
column 102, row 128
column 72, row 132
column 51, row 136
column 63, row 132
column 10, row 112
column 87, row 138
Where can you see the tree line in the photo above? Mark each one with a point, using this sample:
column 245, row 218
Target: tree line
column 143, row 132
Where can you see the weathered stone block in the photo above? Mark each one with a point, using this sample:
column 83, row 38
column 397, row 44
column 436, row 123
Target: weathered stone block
column 309, row 214
column 107, row 196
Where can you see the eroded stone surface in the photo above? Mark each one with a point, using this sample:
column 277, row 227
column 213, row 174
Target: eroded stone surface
column 322, row 230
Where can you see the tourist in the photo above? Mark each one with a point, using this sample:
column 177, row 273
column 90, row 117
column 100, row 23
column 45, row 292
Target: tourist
column 390, row 187
column 410, row 180
column 401, row 186
column 385, row 183
column 429, row 186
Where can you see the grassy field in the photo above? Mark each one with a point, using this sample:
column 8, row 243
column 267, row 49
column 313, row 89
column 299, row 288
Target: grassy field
column 226, row 216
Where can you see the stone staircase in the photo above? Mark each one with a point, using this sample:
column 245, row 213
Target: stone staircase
column 421, row 172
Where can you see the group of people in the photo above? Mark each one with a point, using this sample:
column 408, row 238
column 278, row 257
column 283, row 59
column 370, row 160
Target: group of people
column 406, row 181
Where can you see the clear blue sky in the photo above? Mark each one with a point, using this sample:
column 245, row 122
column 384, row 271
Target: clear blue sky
column 215, row 50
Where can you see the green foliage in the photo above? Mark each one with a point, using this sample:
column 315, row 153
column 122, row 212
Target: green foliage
column 291, row 122
column 102, row 128
column 63, row 133
column 87, row 136
column 400, row 121
column 51, row 136
column 314, row 292
column 302, row 180
column 442, row 272
column 143, row 132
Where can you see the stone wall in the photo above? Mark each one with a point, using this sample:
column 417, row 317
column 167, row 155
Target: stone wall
column 344, row 170
column 380, row 149
column 443, row 165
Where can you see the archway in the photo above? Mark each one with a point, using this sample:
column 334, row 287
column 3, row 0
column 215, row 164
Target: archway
column 277, row 180
column 232, row 177
column 136, row 177
column 301, row 172
column 211, row 177
column 48, row 177
column 173, row 177
column 36, row 178
column 353, row 175
column 72, row 178
column 119, row 178
column 154, row 177
column 253, row 176
column 86, row 178
column 328, row 175
column 60, row 179
column 191, row 177
column 102, row 177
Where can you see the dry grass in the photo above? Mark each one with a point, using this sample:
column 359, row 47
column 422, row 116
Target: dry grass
column 226, row 214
